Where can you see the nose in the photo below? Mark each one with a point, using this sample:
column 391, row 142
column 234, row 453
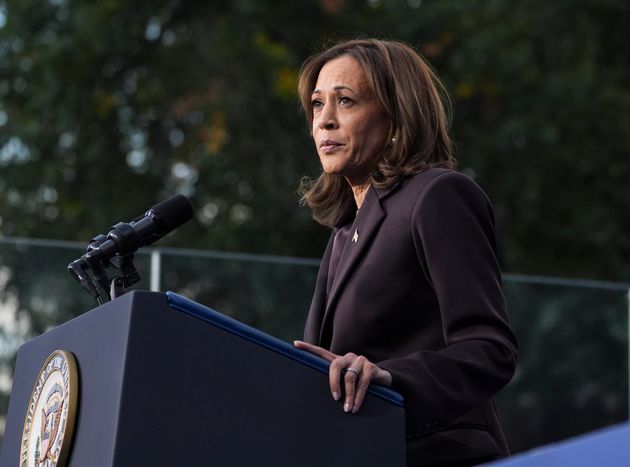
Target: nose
column 327, row 118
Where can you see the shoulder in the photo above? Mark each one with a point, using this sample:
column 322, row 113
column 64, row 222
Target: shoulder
column 440, row 179
column 437, row 184
column 442, row 195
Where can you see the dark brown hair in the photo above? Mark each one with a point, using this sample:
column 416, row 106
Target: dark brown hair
column 411, row 96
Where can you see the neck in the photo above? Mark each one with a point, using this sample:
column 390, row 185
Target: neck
column 359, row 192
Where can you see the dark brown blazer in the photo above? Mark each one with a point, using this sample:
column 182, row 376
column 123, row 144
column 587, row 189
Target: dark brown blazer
column 419, row 293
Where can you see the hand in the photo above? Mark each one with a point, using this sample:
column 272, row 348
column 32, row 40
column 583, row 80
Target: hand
column 359, row 373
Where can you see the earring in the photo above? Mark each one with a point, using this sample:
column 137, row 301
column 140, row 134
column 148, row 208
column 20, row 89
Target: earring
column 394, row 139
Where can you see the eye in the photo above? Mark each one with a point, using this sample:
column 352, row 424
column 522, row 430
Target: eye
column 345, row 101
column 316, row 104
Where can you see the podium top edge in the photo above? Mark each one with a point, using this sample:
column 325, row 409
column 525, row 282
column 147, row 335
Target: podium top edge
column 192, row 308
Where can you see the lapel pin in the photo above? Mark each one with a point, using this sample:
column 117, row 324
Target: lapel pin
column 355, row 237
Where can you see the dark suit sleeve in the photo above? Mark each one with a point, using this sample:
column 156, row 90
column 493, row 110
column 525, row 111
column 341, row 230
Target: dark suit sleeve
column 453, row 231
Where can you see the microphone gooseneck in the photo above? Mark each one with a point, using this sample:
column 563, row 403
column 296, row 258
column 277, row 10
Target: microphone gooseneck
column 118, row 247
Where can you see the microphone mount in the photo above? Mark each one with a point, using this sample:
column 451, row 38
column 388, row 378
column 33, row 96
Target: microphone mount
column 117, row 249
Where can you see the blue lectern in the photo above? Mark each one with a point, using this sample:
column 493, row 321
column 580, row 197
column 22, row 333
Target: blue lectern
column 164, row 381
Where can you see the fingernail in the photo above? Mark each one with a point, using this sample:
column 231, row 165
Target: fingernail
column 346, row 407
column 355, row 409
column 336, row 396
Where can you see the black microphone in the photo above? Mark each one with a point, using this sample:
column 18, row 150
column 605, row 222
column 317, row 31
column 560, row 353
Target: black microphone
column 126, row 238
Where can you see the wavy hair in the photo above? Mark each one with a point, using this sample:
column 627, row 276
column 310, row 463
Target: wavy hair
column 414, row 100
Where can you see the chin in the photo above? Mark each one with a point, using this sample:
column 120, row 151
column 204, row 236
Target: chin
column 333, row 172
column 330, row 169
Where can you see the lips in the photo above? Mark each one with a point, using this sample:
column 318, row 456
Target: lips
column 328, row 145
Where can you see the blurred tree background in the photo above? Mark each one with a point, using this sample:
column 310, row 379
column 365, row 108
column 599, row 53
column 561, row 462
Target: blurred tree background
column 108, row 107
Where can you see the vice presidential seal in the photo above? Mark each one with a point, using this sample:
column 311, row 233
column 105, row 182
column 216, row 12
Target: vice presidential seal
column 49, row 422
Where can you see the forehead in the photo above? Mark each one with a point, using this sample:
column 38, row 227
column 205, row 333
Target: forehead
column 342, row 71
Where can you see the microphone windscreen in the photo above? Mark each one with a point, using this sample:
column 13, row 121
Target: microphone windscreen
column 171, row 213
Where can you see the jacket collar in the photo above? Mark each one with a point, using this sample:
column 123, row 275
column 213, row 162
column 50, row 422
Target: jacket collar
column 383, row 193
column 349, row 209
column 366, row 225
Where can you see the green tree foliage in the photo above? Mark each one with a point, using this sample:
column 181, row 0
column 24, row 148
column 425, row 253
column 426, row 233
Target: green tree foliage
column 110, row 106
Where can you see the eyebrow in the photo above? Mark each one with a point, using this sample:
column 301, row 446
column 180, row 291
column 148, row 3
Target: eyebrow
column 336, row 88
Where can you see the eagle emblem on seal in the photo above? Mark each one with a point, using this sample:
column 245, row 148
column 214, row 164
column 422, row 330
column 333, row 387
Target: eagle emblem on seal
column 49, row 422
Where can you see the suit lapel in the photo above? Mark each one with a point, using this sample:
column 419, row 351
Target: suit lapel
column 366, row 225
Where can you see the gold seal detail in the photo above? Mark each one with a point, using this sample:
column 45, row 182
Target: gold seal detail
column 49, row 422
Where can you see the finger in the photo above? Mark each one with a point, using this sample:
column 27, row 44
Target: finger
column 314, row 349
column 334, row 374
column 350, row 380
column 362, row 386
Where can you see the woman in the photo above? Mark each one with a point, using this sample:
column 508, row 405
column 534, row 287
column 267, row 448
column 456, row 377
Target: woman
column 409, row 289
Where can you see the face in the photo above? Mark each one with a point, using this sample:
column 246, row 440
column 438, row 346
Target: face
column 349, row 128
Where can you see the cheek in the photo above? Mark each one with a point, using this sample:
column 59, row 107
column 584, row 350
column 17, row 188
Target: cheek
column 371, row 140
column 315, row 138
column 379, row 132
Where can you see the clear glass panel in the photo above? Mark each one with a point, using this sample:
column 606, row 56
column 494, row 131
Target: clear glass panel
column 271, row 296
column 573, row 364
column 573, row 368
